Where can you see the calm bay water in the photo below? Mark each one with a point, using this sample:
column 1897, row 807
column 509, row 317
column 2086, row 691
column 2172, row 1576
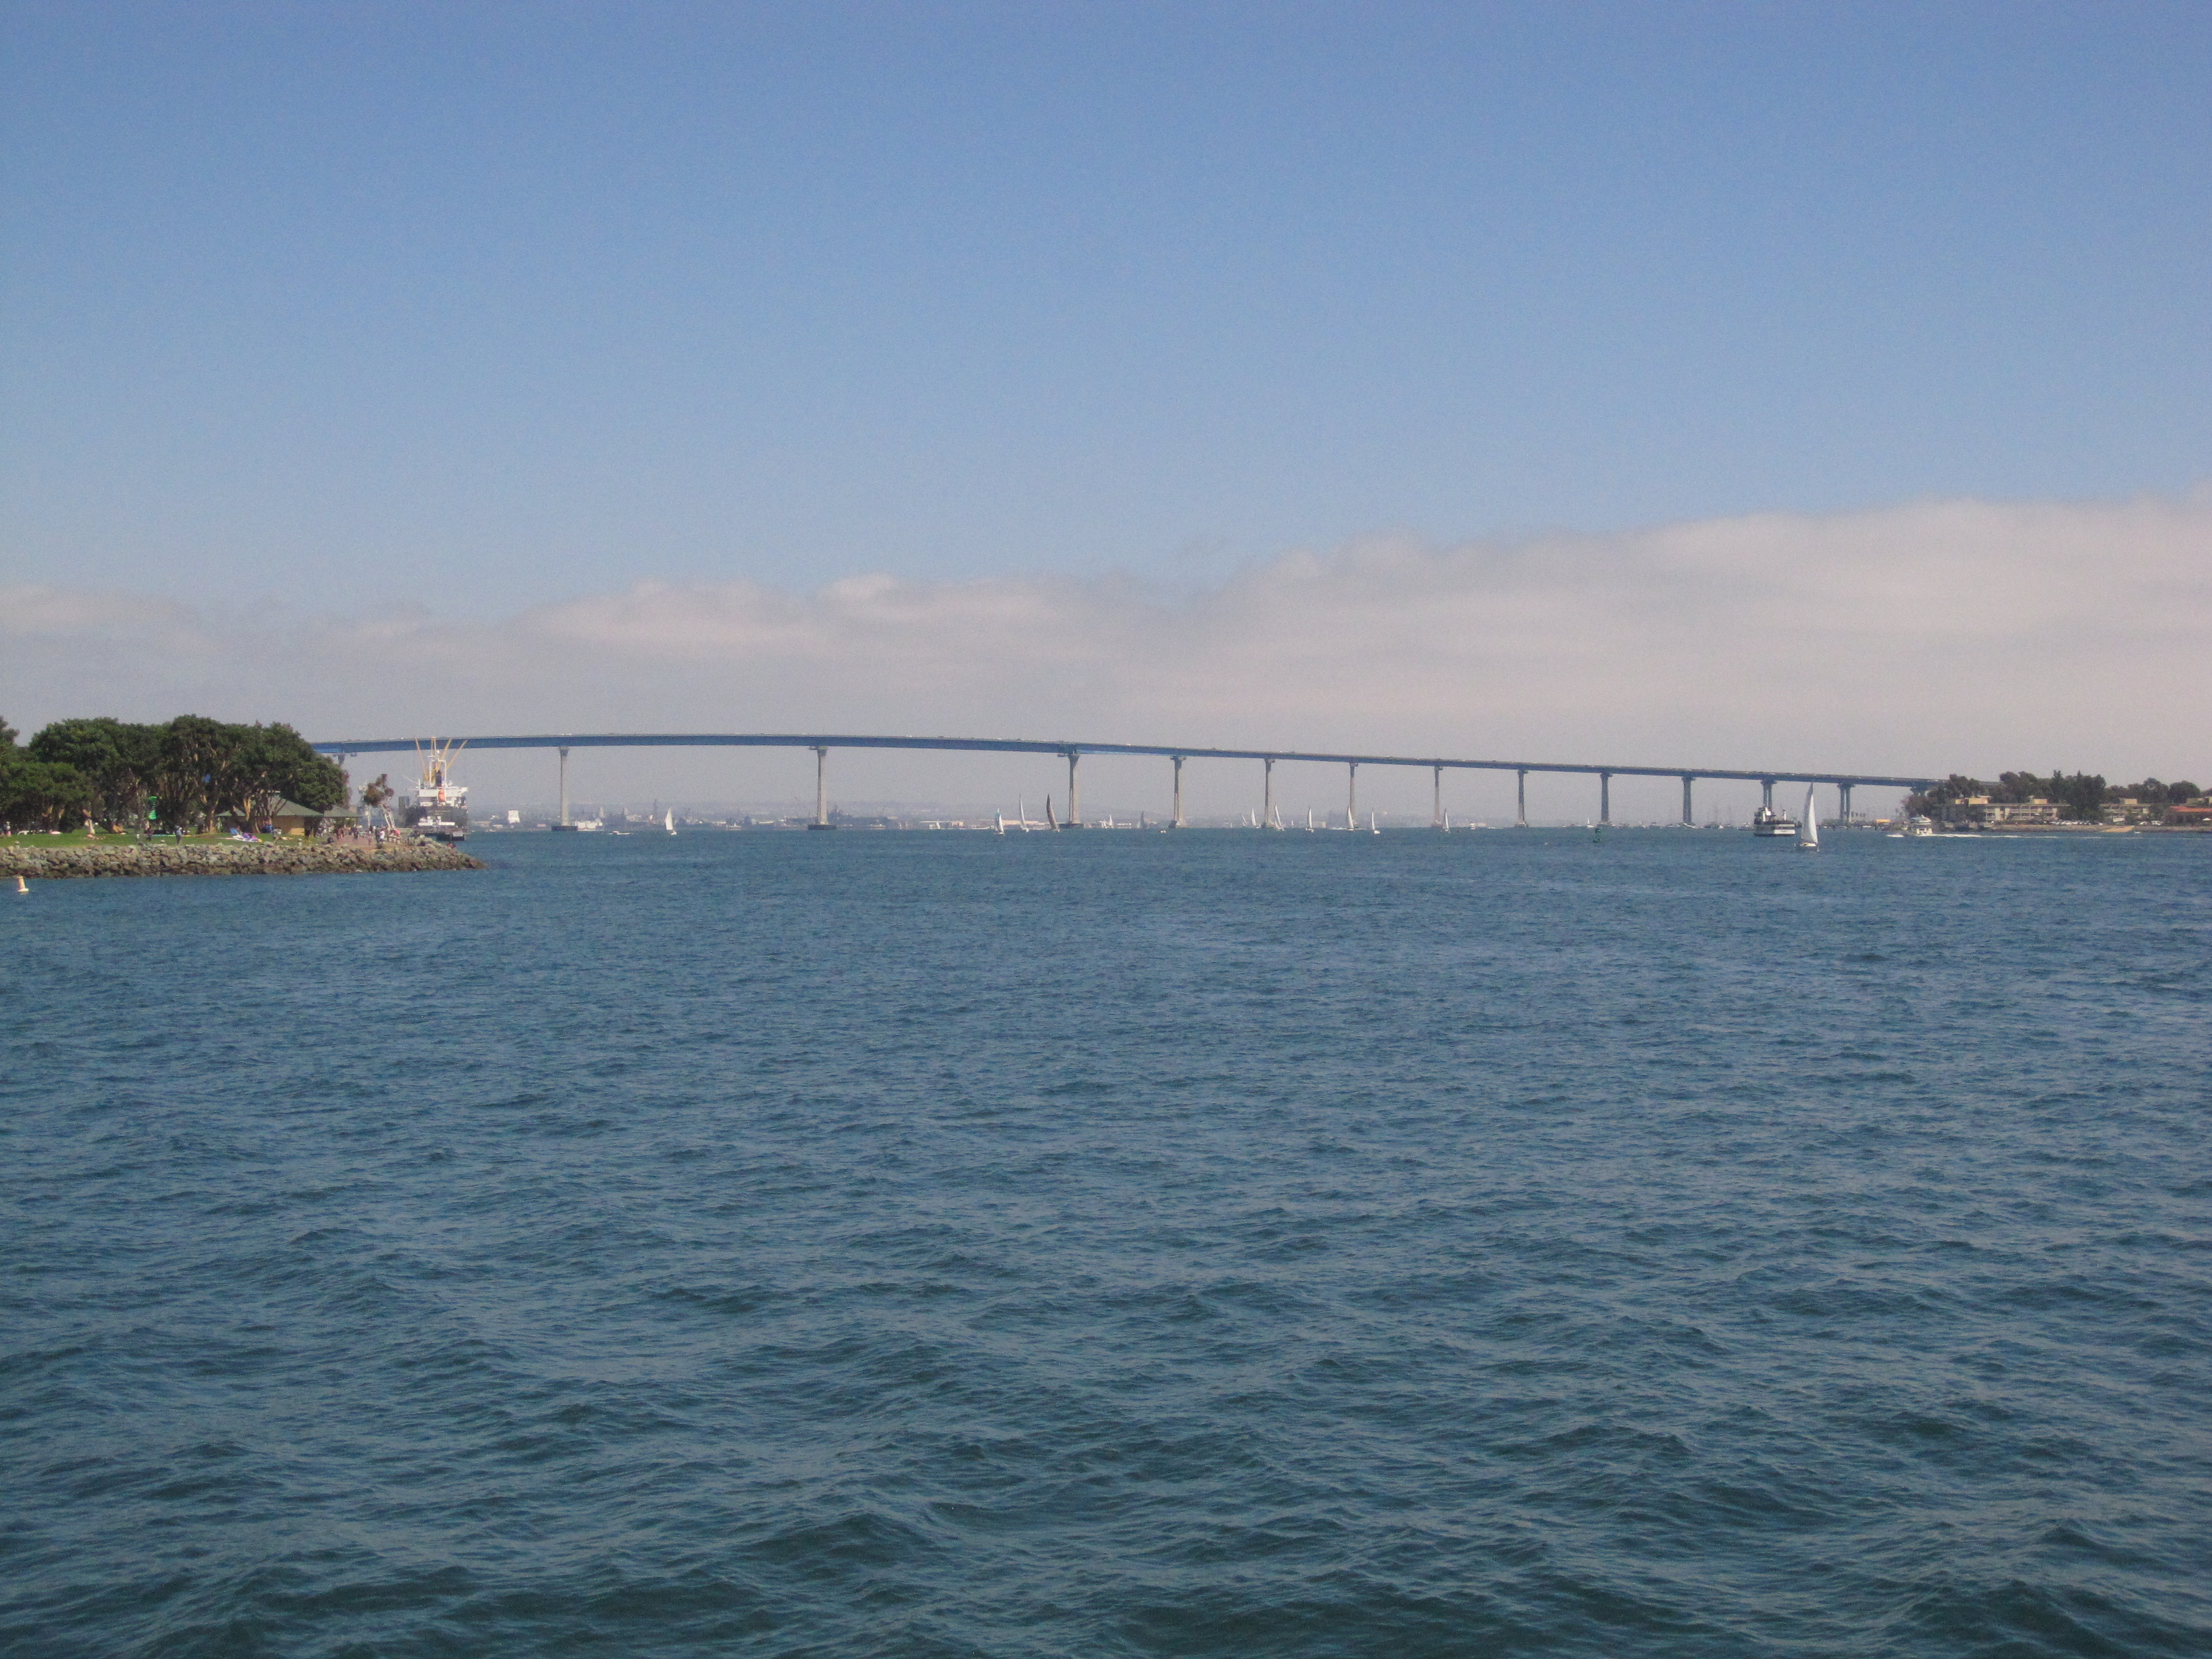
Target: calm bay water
column 1225, row 1243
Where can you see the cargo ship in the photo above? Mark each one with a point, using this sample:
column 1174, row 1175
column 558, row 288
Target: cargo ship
column 439, row 810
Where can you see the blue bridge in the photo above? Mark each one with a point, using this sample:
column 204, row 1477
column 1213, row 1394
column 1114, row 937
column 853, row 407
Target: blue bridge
column 823, row 743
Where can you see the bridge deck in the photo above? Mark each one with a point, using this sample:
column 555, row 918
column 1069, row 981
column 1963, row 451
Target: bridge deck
column 1039, row 746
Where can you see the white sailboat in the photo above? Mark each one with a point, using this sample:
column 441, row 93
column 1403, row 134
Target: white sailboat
column 1809, row 827
column 1373, row 828
column 671, row 821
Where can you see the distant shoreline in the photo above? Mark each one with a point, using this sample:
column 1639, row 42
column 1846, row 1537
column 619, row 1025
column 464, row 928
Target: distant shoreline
column 81, row 861
column 2078, row 829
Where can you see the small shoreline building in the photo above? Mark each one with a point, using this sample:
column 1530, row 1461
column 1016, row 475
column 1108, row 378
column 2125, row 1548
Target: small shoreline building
column 289, row 818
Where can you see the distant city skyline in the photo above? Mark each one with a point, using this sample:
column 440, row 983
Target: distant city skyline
column 1738, row 382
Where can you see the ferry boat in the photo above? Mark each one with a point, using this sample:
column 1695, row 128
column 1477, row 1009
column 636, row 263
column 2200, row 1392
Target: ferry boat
column 439, row 809
column 1768, row 822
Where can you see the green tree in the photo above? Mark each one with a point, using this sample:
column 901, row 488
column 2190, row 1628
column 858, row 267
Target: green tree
column 191, row 761
column 2080, row 798
column 10, row 757
column 114, row 759
column 1940, row 800
column 379, row 794
column 272, row 763
column 204, row 769
column 2152, row 793
column 36, row 794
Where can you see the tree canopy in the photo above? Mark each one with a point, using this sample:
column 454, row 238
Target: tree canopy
column 187, row 775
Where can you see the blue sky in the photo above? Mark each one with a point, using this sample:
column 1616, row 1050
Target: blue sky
column 476, row 307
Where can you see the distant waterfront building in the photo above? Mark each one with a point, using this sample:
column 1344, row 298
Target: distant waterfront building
column 1980, row 809
column 2128, row 809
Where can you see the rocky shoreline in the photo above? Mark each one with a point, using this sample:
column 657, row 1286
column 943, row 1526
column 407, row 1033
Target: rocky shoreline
column 29, row 859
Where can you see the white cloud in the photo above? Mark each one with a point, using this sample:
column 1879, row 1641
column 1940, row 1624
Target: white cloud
column 1932, row 636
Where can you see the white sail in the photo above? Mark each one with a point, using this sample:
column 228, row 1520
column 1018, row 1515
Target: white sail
column 672, row 821
column 1809, row 827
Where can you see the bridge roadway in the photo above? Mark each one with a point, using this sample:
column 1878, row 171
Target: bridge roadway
column 821, row 743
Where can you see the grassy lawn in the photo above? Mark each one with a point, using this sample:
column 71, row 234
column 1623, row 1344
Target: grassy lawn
column 78, row 838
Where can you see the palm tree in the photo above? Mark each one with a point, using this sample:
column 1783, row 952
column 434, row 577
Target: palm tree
column 377, row 795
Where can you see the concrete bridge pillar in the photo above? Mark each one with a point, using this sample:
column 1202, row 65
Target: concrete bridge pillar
column 1521, row 800
column 1436, row 800
column 1074, row 793
column 1352, row 795
column 1689, row 816
column 564, row 819
column 1267, row 793
column 1605, row 798
column 821, row 788
column 1177, row 759
column 1844, row 791
column 1766, row 794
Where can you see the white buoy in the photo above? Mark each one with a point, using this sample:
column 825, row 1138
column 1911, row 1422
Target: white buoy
column 22, row 886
